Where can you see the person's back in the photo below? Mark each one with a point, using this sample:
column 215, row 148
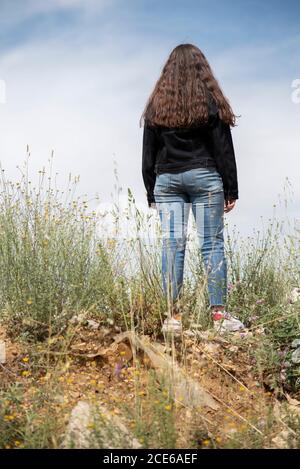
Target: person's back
column 182, row 148
column 188, row 159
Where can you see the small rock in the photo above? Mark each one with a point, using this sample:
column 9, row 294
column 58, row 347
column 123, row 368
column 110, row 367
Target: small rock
column 78, row 432
column 105, row 331
column 91, row 324
column 295, row 295
column 295, row 343
column 2, row 352
column 233, row 348
column 188, row 333
column 296, row 356
column 81, row 319
column 211, row 347
column 111, row 430
column 245, row 333
column 281, row 440
column 78, row 319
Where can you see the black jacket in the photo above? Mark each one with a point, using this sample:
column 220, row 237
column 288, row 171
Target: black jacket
column 173, row 150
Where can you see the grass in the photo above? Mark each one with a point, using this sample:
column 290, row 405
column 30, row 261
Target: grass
column 55, row 264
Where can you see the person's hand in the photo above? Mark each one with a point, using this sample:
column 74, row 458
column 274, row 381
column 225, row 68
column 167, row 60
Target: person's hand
column 229, row 205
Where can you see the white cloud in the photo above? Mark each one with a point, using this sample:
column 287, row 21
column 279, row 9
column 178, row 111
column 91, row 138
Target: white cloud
column 14, row 12
column 83, row 103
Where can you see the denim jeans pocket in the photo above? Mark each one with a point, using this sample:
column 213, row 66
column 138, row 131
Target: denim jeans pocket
column 208, row 179
column 162, row 183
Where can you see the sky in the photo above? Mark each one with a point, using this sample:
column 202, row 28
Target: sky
column 75, row 76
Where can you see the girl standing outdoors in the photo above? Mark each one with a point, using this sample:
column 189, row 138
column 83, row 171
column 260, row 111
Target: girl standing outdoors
column 188, row 161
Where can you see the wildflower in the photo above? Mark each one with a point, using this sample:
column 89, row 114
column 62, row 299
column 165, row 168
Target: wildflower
column 26, row 373
column 93, row 382
column 17, row 442
column 206, row 442
column 253, row 318
column 168, row 407
column 118, row 369
column 111, row 243
column 9, row 418
column 25, row 359
column 29, row 301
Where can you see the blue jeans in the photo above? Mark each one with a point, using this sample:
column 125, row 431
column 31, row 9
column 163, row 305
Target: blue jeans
column 174, row 193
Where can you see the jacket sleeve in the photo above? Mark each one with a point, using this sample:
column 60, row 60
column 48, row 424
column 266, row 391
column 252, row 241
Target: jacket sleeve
column 224, row 155
column 149, row 152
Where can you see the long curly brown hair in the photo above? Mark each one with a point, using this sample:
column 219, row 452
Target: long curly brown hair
column 181, row 95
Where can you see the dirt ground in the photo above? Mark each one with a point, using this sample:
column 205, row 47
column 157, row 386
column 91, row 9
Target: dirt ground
column 91, row 365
